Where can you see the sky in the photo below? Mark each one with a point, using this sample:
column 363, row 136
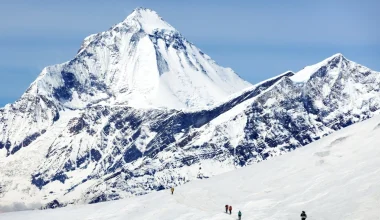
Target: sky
column 257, row 39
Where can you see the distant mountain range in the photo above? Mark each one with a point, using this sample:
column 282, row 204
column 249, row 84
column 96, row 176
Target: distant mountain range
column 140, row 108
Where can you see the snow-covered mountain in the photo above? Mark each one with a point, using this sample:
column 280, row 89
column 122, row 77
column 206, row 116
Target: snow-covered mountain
column 336, row 177
column 140, row 62
column 141, row 109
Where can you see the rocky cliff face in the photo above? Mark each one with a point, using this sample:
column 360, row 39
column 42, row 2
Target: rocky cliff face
column 141, row 109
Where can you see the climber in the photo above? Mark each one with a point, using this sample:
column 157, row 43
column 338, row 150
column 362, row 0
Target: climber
column 226, row 208
column 239, row 215
column 230, row 209
column 303, row 215
column 172, row 189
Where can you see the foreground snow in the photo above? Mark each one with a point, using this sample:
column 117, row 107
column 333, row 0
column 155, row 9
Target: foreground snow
column 336, row 177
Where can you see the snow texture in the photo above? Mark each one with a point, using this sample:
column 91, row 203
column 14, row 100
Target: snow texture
column 336, row 177
column 140, row 109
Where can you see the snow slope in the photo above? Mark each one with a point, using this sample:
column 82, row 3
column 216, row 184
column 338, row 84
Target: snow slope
column 337, row 177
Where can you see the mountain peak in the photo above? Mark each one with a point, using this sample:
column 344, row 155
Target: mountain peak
column 140, row 9
column 307, row 72
column 148, row 20
column 141, row 62
column 335, row 56
column 140, row 12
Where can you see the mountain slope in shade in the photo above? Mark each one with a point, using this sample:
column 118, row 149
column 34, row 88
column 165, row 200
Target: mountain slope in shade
column 87, row 149
column 293, row 113
column 333, row 178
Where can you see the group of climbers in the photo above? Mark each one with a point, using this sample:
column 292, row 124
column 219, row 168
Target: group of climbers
column 229, row 209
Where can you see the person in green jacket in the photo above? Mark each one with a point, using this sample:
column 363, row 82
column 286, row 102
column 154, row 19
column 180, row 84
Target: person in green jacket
column 239, row 214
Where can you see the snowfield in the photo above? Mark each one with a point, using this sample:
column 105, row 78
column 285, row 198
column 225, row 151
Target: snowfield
column 337, row 177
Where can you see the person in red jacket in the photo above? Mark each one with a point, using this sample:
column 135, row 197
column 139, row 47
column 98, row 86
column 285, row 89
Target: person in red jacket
column 230, row 208
column 226, row 208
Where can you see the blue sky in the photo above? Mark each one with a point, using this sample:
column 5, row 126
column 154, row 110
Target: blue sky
column 258, row 39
